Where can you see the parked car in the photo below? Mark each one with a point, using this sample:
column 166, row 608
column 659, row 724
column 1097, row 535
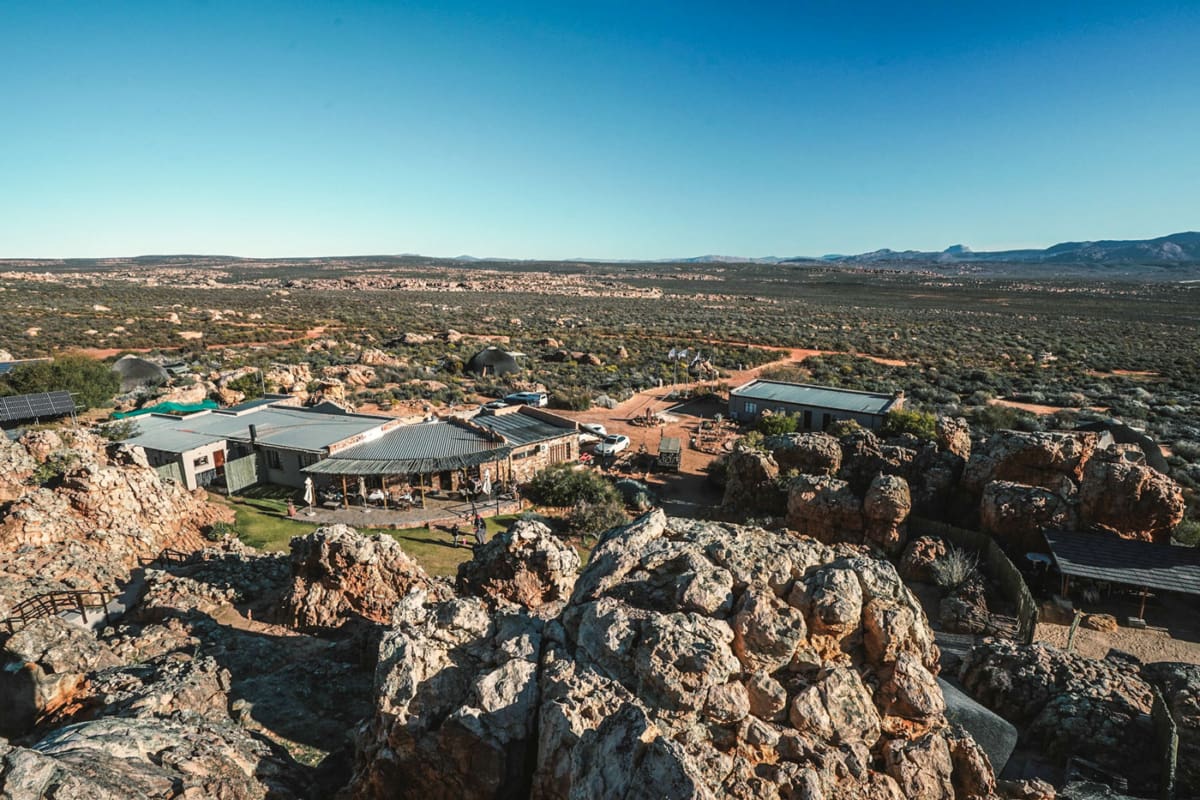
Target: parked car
column 594, row 428
column 495, row 404
column 611, row 445
column 539, row 399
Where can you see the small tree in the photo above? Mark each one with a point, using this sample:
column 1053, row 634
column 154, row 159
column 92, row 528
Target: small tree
column 900, row 421
column 775, row 424
column 92, row 384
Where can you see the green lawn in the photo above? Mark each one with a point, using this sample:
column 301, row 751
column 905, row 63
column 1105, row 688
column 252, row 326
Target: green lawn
column 262, row 523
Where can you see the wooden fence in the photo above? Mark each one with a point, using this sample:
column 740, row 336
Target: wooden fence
column 1166, row 732
column 995, row 563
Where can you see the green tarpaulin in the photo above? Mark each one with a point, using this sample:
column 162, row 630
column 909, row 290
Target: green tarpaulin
column 168, row 408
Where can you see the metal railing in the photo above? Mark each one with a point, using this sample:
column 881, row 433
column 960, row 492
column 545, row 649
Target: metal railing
column 50, row 604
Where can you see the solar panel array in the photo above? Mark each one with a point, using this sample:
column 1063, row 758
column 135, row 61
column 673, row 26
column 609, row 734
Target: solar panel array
column 36, row 406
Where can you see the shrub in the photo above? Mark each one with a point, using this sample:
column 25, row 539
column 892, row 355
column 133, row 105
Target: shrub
column 571, row 399
column 592, row 518
column 120, row 430
column 218, row 531
column 900, row 421
column 92, row 383
column 753, row 440
column 776, row 424
column 563, row 485
column 844, row 427
column 1188, row 532
column 636, row 494
column 954, row 568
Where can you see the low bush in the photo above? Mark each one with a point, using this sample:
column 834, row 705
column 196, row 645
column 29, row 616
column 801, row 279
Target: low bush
column 563, row 485
column 955, row 568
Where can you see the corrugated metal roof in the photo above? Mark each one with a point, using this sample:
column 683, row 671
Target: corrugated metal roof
column 275, row 426
column 521, row 429
column 424, row 447
column 1107, row 557
column 816, row 396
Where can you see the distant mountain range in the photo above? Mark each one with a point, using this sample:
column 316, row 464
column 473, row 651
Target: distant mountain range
column 1175, row 249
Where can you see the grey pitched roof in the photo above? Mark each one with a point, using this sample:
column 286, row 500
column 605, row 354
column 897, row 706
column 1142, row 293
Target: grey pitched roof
column 804, row 394
column 284, row 427
column 521, row 429
column 1107, row 557
column 424, row 447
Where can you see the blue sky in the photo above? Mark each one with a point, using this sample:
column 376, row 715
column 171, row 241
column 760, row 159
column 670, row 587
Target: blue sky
column 608, row 130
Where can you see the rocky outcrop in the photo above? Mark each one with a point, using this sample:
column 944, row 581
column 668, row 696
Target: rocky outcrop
column 1065, row 704
column 1180, row 688
column 1042, row 459
column 807, row 453
column 954, row 436
column 737, row 662
column 338, row 573
column 118, row 758
column 825, row 508
column 919, row 557
column 102, row 511
column 1018, row 513
column 457, row 701
column 527, row 566
column 16, row 467
column 885, row 509
column 42, row 672
column 750, row 483
column 1134, row 500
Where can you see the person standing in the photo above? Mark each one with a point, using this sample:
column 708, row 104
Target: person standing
column 480, row 531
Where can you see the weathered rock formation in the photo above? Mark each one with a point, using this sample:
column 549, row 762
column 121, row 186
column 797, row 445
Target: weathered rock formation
column 1018, row 512
column 1133, row 500
column 750, row 484
column 807, row 453
column 885, row 509
column 694, row 660
column 1065, row 704
column 1043, row 459
column 338, row 573
column 1180, row 688
column 526, row 566
column 828, row 509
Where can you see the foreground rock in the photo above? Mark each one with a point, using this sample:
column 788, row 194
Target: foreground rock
column 457, row 702
column 100, row 512
column 337, row 574
column 527, row 566
column 1067, row 705
column 1180, row 687
column 693, row 660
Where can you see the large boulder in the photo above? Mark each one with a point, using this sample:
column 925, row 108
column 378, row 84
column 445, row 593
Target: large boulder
column 118, row 758
column 527, row 565
column 825, row 508
column 808, row 453
column 338, row 573
column 750, row 483
column 16, row 467
column 797, row 669
column 1045, row 459
column 916, row 564
column 885, row 510
column 1180, row 688
column 1017, row 513
column 457, row 695
column 1067, row 705
column 1134, row 500
column 954, row 436
column 43, row 669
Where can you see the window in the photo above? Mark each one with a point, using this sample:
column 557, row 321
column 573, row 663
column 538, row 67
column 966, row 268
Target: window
column 202, row 461
column 308, row 459
column 751, row 408
column 273, row 460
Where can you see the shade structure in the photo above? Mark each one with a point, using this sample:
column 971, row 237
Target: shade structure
column 1108, row 557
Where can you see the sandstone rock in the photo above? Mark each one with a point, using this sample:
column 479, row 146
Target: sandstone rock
column 457, row 702
column 338, row 573
column 191, row 394
column 1026, row 789
column 1135, row 501
column 1100, row 622
column 527, row 565
column 42, row 671
column 328, row 390
column 885, row 509
column 749, row 482
column 1066, row 704
column 1017, row 513
column 16, row 467
column 808, row 453
column 825, row 508
column 954, row 436
column 862, row 459
column 919, row 557
column 130, row 759
column 1180, row 688
column 374, row 357
column 1042, row 459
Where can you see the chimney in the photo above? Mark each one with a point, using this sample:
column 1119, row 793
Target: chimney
column 253, row 434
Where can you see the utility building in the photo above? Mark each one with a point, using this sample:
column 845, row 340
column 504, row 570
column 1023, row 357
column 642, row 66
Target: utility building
column 817, row 407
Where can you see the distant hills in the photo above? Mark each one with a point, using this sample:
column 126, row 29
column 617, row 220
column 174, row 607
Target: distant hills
column 1175, row 249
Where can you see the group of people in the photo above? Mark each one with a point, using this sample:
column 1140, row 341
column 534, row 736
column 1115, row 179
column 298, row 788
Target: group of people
column 460, row 536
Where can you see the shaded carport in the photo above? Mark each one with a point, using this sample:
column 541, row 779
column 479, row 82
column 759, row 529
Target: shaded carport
column 1107, row 557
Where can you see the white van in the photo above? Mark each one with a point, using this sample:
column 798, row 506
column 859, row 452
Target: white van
column 539, row 399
